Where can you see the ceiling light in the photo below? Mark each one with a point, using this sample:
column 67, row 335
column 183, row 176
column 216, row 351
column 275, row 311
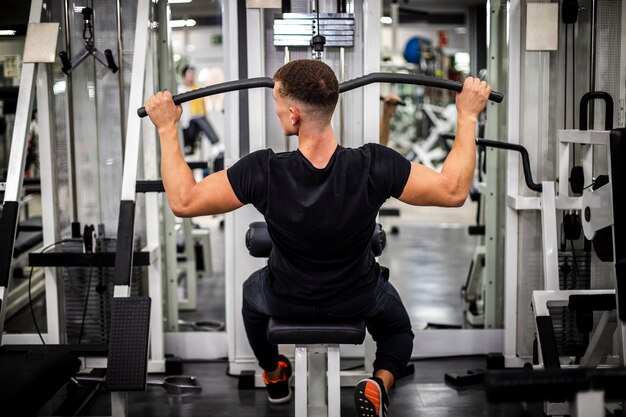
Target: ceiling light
column 182, row 23
column 386, row 20
column 178, row 1
column 7, row 32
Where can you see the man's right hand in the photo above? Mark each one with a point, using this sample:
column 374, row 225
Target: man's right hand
column 472, row 99
column 162, row 110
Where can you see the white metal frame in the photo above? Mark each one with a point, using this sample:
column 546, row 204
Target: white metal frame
column 17, row 157
column 317, row 386
column 142, row 78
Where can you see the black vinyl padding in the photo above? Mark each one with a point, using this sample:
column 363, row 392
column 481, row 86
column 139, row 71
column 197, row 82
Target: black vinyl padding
column 553, row 385
column 8, row 227
column 33, row 224
column 281, row 331
column 259, row 243
column 124, row 250
column 127, row 363
column 28, row 380
column 617, row 140
column 25, row 241
column 258, row 240
column 592, row 302
column 549, row 350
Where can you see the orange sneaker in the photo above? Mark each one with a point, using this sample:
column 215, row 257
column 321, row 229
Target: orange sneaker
column 279, row 390
column 370, row 398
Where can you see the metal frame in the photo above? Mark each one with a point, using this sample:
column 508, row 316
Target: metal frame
column 55, row 293
column 512, row 186
column 317, row 386
column 142, row 78
column 17, row 158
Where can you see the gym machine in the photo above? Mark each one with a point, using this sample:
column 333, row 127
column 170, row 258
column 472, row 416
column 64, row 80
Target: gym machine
column 125, row 353
column 236, row 272
column 105, row 59
column 535, row 269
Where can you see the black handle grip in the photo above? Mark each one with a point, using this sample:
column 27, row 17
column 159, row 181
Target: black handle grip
column 66, row 65
column 416, row 79
column 584, row 104
column 528, row 175
column 110, row 61
column 376, row 77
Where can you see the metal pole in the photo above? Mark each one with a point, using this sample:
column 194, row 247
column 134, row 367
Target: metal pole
column 342, row 76
column 395, row 21
column 592, row 60
column 286, row 61
column 70, row 124
column 120, row 73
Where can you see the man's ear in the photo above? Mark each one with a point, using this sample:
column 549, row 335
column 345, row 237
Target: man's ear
column 295, row 115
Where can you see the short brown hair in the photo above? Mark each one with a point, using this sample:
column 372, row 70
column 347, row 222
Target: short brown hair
column 310, row 82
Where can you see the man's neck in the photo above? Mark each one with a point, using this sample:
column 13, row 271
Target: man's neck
column 317, row 145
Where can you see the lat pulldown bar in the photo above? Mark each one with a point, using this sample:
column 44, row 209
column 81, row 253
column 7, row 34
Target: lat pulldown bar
column 375, row 77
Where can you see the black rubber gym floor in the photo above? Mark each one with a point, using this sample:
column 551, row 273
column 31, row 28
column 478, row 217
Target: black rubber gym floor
column 423, row 394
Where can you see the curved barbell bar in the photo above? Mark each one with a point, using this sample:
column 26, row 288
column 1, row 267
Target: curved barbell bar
column 375, row 77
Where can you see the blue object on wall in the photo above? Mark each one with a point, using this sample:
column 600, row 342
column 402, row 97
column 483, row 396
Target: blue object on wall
column 412, row 50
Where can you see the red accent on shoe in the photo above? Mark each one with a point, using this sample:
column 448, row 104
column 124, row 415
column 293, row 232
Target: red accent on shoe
column 283, row 377
column 372, row 393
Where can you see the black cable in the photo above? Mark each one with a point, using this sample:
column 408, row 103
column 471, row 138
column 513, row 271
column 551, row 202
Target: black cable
column 82, row 323
column 30, row 297
column 575, row 270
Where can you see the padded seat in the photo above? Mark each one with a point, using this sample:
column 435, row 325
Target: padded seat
column 28, row 380
column 25, row 241
column 282, row 331
column 33, row 224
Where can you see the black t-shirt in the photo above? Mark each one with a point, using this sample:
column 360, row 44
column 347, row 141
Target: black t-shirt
column 320, row 220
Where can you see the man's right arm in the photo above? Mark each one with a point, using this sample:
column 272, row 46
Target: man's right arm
column 212, row 195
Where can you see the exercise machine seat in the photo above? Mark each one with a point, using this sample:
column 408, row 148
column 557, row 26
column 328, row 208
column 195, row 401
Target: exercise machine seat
column 281, row 331
column 28, row 380
column 32, row 224
column 26, row 241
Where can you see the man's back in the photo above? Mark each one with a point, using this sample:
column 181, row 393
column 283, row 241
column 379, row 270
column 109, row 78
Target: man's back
column 321, row 220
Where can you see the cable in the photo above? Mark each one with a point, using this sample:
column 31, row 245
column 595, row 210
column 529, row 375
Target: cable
column 82, row 323
column 575, row 270
column 30, row 297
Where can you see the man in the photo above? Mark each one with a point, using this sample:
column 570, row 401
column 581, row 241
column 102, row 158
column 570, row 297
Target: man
column 193, row 119
column 390, row 104
column 320, row 203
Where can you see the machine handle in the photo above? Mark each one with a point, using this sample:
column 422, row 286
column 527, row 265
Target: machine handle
column 110, row 61
column 584, row 104
column 417, row 79
column 528, row 175
column 217, row 89
column 376, row 77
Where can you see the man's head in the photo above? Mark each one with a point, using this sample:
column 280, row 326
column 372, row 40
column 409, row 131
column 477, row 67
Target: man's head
column 188, row 74
column 309, row 86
